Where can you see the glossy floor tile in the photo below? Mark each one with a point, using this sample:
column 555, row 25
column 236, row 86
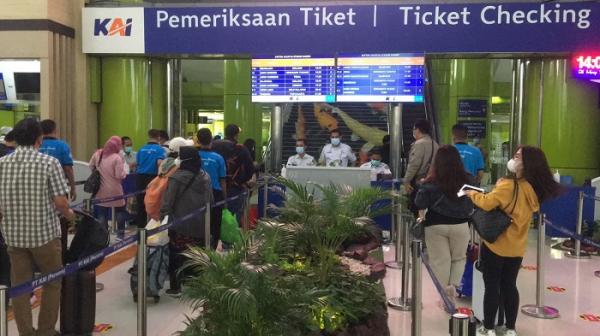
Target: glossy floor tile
column 581, row 297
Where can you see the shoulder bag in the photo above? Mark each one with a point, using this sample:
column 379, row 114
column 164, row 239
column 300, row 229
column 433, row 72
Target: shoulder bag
column 491, row 224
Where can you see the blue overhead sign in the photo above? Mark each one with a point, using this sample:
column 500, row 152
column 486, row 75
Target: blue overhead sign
column 429, row 28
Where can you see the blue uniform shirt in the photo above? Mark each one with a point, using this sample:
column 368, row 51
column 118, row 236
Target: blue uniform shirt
column 471, row 158
column 214, row 165
column 58, row 149
column 147, row 158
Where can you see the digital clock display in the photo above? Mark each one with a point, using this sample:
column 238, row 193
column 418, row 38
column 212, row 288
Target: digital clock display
column 586, row 66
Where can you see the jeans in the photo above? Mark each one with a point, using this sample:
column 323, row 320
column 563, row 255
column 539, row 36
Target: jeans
column 104, row 213
column 500, row 280
column 142, row 181
column 236, row 206
column 447, row 247
column 216, row 216
column 48, row 258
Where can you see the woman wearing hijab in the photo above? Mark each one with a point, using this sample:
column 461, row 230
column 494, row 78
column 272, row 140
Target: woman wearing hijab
column 188, row 190
column 111, row 166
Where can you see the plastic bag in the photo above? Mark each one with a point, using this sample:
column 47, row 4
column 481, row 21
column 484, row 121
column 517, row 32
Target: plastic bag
column 230, row 230
column 161, row 238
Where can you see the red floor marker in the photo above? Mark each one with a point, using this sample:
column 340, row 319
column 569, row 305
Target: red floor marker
column 529, row 268
column 556, row 289
column 590, row 317
column 103, row 327
column 465, row 311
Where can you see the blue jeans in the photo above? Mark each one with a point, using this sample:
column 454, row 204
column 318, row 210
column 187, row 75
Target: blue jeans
column 104, row 213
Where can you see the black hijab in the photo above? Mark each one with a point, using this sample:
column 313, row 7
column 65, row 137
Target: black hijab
column 190, row 160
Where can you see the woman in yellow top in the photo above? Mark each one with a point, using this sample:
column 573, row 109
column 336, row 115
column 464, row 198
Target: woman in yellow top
column 501, row 260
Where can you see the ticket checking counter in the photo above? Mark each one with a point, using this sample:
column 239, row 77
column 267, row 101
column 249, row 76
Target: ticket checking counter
column 311, row 176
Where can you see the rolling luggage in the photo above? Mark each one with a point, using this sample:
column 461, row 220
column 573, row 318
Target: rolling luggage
column 78, row 304
column 157, row 271
column 466, row 283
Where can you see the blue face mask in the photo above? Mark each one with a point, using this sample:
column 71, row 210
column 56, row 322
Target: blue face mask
column 375, row 163
column 335, row 141
column 128, row 150
column 300, row 150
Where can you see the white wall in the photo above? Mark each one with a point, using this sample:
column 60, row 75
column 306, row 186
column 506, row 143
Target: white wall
column 9, row 67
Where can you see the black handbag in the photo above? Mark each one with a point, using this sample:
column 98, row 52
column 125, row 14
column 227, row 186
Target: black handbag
column 93, row 182
column 491, row 224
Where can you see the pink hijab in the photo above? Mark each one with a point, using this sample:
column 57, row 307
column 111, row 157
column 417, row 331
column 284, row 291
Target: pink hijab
column 112, row 146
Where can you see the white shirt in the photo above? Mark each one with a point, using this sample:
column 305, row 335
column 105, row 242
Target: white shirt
column 297, row 161
column 337, row 156
column 381, row 169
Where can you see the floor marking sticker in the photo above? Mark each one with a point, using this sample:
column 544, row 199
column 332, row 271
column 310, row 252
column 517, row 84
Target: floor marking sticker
column 556, row 289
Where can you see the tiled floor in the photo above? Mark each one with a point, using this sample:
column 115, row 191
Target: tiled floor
column 581, row 296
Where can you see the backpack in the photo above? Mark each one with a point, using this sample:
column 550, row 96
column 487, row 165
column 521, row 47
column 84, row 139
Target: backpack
column 154, row 193
column 91, row 237
column 93, row 182
column 235, row 168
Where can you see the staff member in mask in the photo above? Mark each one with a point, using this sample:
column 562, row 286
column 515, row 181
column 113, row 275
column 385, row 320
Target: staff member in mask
column 377, row 167
column 129, row 154
column 301, row 159
column 336, row 153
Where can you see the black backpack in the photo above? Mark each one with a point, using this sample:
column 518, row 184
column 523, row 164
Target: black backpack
column 91, row 237
column 93, row 182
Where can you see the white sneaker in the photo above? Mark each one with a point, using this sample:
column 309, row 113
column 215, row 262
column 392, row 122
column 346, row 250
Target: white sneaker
column 510, row 332
column 481, row 331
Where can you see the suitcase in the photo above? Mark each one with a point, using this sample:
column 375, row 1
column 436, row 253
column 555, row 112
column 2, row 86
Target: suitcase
column 466, row 283
column 78, row 304
column 157, row 272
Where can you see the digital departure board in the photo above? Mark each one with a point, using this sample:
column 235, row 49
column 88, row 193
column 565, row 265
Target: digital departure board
column 303, row 78
column 380, row 78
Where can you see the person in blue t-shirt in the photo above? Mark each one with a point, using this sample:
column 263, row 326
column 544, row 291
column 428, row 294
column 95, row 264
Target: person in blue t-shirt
column 215, row 166
column 148, row 158
column 59, row 150
column 471, row 156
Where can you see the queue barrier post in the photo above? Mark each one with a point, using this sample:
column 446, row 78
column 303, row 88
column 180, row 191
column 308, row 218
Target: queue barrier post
column 417, row 288
column 246, row 213
column 403, row 302
column 207, row 237
column 3, row 310
column 459, row 325
column 577, row 253
column 265, row 196
column 398, row 241
column 141, row 290
column 538, row 310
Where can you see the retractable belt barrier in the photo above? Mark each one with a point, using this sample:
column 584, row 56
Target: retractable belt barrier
column 594, row 197
column 573, row 235
column 30, row 286
column 449, row 305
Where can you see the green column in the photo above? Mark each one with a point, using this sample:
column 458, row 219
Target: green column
column 159, row 94
column 238, row 100
column 125, row 99
column 570, row 111
column 456, row 79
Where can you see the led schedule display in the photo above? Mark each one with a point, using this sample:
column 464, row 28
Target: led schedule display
column 380, row 78
column 303, row 78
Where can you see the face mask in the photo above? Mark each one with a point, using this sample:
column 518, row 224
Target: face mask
column 128, row 150
column 513, row 165
column 375, row 163
column 300, row 150
column 335, row 141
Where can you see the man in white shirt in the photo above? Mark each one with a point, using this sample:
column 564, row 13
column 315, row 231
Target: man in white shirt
column 377, row 167
column 336, row 153
column 301, row 159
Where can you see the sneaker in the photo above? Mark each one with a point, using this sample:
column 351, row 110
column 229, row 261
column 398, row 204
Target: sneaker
column 510, row 332
column 501, row 330
column 176, row 293
column 481, row 331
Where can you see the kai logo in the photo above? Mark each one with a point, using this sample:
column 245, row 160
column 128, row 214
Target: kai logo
column 113, row 27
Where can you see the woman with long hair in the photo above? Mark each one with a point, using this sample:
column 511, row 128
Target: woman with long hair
column 529, row 184
column 109, row 162
column 446, row 219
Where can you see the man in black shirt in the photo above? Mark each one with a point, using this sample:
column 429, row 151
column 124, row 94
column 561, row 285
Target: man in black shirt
column 240, row 167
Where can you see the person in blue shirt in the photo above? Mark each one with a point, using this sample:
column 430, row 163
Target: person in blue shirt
column 471, row 156
column 214, row 165
column 148, row 158
column 59, row 150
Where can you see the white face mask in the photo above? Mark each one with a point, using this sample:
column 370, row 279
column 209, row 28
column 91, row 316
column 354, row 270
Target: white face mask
column 514, row 165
